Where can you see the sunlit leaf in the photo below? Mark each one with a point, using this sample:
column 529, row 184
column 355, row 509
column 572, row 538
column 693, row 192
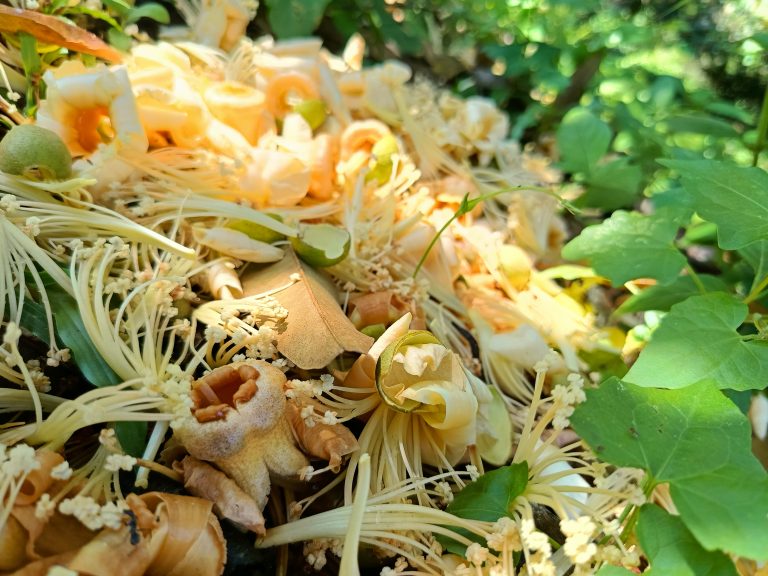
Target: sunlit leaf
column 488, row 498
column 629, row 245
column 674, row 434
column 733, row 197
column 698, row 340
column 695, row 439
column 673, row 551
column 727, row 509
column 663, row 297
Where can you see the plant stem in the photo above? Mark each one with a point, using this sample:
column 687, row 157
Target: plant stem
column 757, row 291
column 468, row 205
column 632, row 511
column 696, row 280
column 762, row 129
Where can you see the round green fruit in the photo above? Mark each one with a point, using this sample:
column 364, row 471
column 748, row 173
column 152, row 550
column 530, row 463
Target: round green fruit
column 321, row 245
column 35, row 153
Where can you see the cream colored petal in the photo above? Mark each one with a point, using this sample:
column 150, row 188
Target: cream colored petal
column 275, row 178
column 395, row 331
column 524, row 346
column 238, row 245
column 418, row 358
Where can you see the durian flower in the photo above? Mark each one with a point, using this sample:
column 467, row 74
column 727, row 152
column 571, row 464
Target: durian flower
column 420, row 406
column 87, row 108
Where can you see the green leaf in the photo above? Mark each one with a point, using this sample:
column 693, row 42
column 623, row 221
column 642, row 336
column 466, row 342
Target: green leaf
column 132, row 437
column 728, row 508
column 96, row 14
column 698, row 340
column 695, row 439
column 663, row 297
column 674, row 201
column 673, row 551
column 151, row 10
column 71, row 331
column 701, row 124
column 120, row 7
column 613, row 185
column 409, row 35
column 119, row 39
column 673, row 434
column 756, row 255
column 34, row 320
column 291, row 18
column 629, row 245
column 489, row 498
column 582, row 139
column 733, row 197
column 731, row 111
column 30, row 58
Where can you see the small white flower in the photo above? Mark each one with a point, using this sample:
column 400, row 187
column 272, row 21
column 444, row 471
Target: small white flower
column 62, row 471
column 12, row 334
column 476, row 554
column 44, row 507
column 21, row 461
column 329, row 418
column 117, row 462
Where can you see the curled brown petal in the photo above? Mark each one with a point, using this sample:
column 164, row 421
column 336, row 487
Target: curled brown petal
column 229, row 500
column 13, row 543
column 331, row 442
column 187, row 537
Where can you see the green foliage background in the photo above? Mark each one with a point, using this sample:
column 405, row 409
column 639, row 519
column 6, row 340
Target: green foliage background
column 657, row 113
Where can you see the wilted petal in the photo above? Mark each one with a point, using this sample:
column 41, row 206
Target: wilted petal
column 238, row 245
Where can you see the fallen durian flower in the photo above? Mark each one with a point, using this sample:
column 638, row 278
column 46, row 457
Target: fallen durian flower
column 32, row 529
column 275, row 178
column 319, row 434
column 177, row 535
column 286, row 86
column 239, row 106
column 424, row 412
column 239, row 422
column 229, row 500
column 86, row 107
